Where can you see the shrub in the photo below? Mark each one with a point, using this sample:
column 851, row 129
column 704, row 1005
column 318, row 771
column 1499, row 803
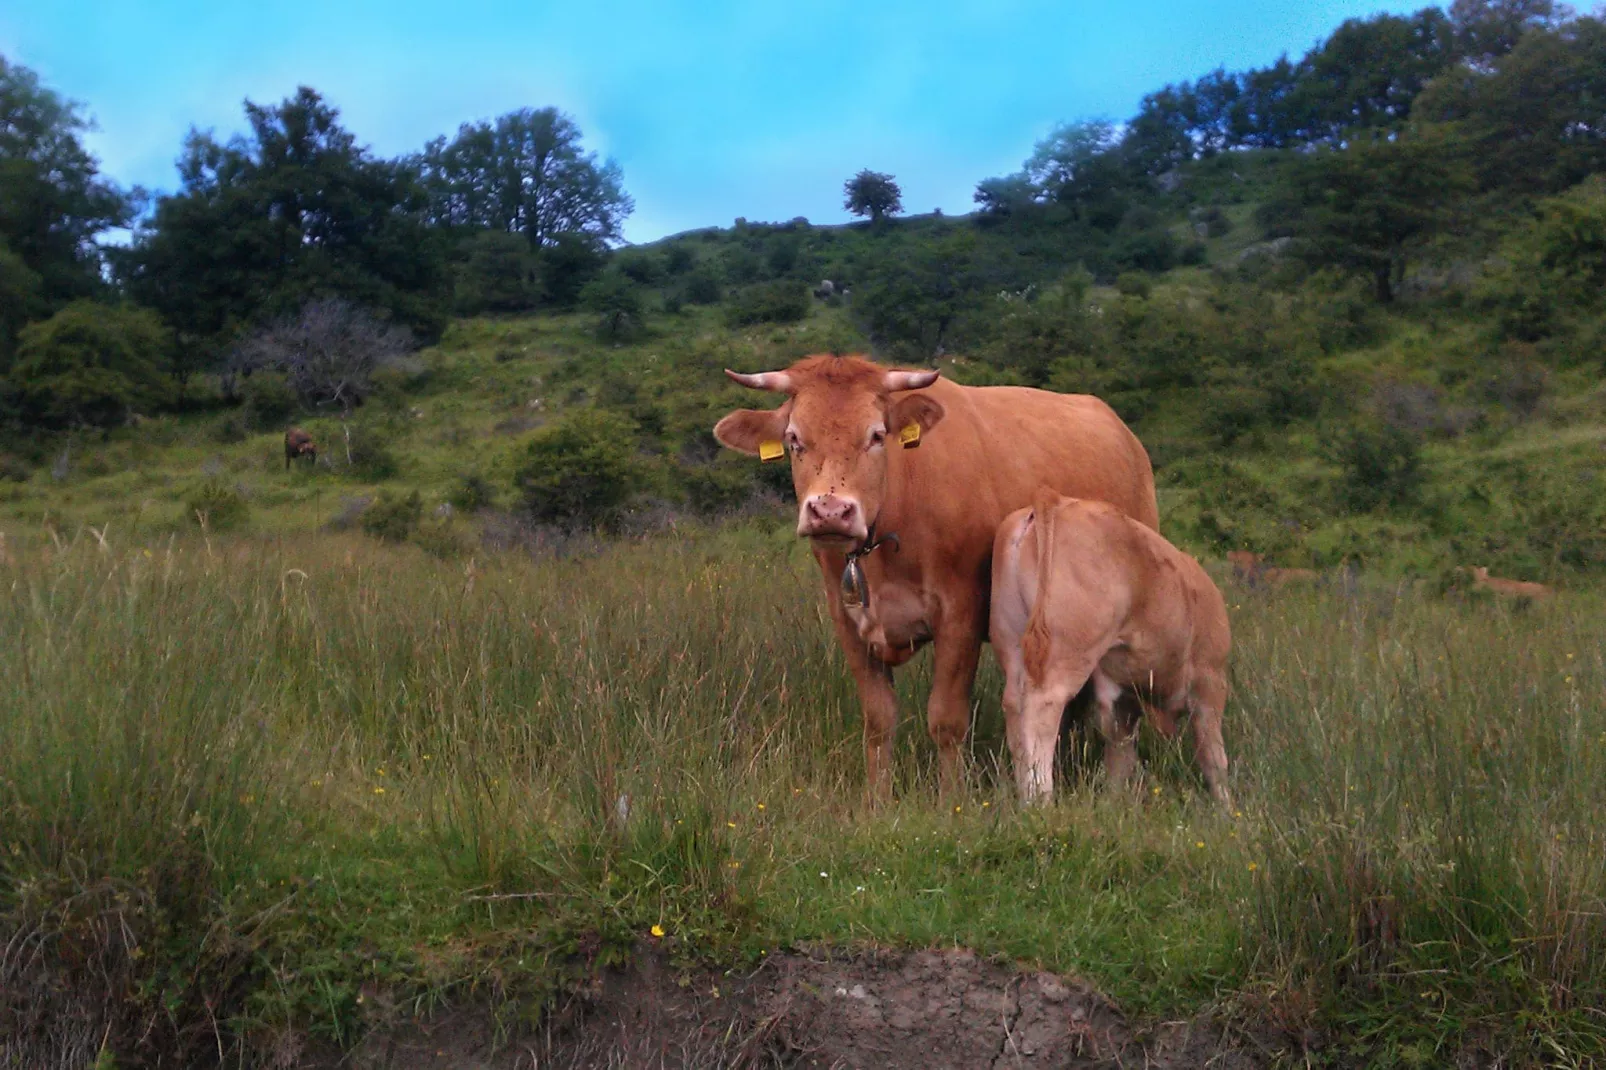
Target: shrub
column 638, row 267
column 579, row 470
column 269, row 400
column 471, row 493
column 232, row 427
column 617, row 302
column 368, row 451
column 440, row 538
column 769, row 302
column 678, row 260
column 1381, row 464
column 1134, row 284
column 703, row 288
column 328, row 352
column 217, row 507
column 500, row 274
column 91, row 364
column 14, row 469
column 391, row 518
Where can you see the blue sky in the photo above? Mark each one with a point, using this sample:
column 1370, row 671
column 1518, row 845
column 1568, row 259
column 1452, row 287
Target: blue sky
column 714, row 110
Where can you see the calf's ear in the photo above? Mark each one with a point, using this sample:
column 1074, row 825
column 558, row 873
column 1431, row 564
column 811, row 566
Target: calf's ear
column 919, row 410
column 745, row 430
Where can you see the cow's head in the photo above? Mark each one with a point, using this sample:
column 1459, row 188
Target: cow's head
column 841, row 416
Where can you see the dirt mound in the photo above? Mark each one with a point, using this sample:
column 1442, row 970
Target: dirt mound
column 918, row 1009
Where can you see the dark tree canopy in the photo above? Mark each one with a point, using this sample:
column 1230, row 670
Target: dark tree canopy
column 872, row 193
column 293, row 211
column 53, row 202
column 91, row 364
column 526, row 173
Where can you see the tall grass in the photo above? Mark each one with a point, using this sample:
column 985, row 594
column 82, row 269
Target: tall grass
column 242, row 781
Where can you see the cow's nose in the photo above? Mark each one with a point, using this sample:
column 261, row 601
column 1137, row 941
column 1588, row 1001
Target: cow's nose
column 827, row 514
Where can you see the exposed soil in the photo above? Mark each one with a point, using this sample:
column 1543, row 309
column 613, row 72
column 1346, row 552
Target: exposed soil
column 914, row 1010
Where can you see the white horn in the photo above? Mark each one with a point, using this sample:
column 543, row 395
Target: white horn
column 908, row 380
column 777, row 381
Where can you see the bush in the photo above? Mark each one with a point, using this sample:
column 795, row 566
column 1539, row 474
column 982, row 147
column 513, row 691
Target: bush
column 14, row 469
column 217, row 507
column 678, row 260
column 1134, row 284
column 703, row 288
column 368, row 451
column 471, row 493
column 91, row 364
column 329, row 352
column 393, row 519
column 500, row 274
column 1381, row 464
column 232, row 427
column 579, row 470
column 769, row 302
column 639, row 267
column 269, row 400
column 617, row 302
column 440, row 538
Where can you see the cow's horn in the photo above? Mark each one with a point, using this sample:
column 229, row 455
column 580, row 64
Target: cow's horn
column 777, row 381
column 909, row 380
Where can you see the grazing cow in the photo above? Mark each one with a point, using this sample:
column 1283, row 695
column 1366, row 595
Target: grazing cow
column 1245, row 565
column 297, row 443
column 902, row 478
column 1536, row 592
column 1081, row 591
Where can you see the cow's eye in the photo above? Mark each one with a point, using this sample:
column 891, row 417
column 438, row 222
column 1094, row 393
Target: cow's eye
column 794, row 444
column 877, row 436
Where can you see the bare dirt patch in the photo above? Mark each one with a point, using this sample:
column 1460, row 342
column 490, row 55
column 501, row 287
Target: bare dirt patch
column 899, row 1010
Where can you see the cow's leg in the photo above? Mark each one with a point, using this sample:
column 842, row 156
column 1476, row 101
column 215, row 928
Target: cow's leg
column 1206, row 699
column 878, row 703
column 1119, row 727
column 958, row 650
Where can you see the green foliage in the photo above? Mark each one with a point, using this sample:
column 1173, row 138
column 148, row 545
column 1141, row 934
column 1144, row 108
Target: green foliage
column 618, row 304
column 368, row 450
column 918, row 299
column 392, row 517
column 268, row 400
column 53, row 202
column 781, row 301
column 472, row 492
column 1380, row 464
column 527, row 174
column 216, row 506
column 91, row 364
column 441, row 538
column 872, row 193
column 500, row 273
column 1368, row 206
column 295, row 211
column 703, row 287
column 579, row 470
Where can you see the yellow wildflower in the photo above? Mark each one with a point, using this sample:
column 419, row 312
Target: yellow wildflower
column 658, row 931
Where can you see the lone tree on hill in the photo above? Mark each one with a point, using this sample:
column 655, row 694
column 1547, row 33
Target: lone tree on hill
column 873, row 194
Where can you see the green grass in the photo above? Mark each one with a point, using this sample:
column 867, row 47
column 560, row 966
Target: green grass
column 262, row 781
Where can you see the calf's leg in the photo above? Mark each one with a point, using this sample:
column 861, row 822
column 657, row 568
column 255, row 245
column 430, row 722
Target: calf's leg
column 1118, row 724
column 1206, row 700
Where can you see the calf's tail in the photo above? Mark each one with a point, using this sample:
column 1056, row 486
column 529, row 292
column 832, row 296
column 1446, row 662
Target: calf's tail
column 1036, row 642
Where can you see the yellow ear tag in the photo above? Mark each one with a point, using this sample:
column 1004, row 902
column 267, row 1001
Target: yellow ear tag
column 910, row 436
column 770, row 449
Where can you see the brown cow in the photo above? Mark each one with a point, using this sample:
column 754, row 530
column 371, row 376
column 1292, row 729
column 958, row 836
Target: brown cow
column 902, row 479
column 1245, row 564
column 1082, row 591
column 297, row 443
column 1251, row 570
column 1536, row 592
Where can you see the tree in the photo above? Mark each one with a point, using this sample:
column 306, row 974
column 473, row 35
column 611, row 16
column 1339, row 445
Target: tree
column 329, row 352
column 91, row 364
column 292, row 212
column 872, row 193
column 501, row 273
column 524, row 174
column 617, row 302
column 916, row 297
column 1367, row 206
column 579, row 470
column 53, row 202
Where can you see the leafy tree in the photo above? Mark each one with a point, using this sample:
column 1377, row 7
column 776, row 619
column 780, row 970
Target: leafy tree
column 567, row 264
column 617, row 302
column 91, row 364
column 916, row 297
column 872, row 193
column 294, row 211
column 524, row 174
column 781, row 301
column 579, row 470
column 53, row 203
column 499, row 274
column 1486, row 30
column 1368, row 206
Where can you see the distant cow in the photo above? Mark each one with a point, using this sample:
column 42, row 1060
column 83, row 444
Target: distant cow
column 297, row 443
column 1481, row 580
column 902, row 478
column 1251, row 569
column 1080, row 590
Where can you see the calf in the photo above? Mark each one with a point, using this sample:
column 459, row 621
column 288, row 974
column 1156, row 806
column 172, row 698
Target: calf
column 1250, row 569
column 297, row 443
column 1081, row 590
column 1536, row 592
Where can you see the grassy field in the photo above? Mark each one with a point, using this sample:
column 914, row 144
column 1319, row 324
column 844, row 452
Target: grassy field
column 252, row 786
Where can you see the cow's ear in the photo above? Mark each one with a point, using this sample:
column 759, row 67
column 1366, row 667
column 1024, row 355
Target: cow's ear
column 919, row 410
column 745, row 430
